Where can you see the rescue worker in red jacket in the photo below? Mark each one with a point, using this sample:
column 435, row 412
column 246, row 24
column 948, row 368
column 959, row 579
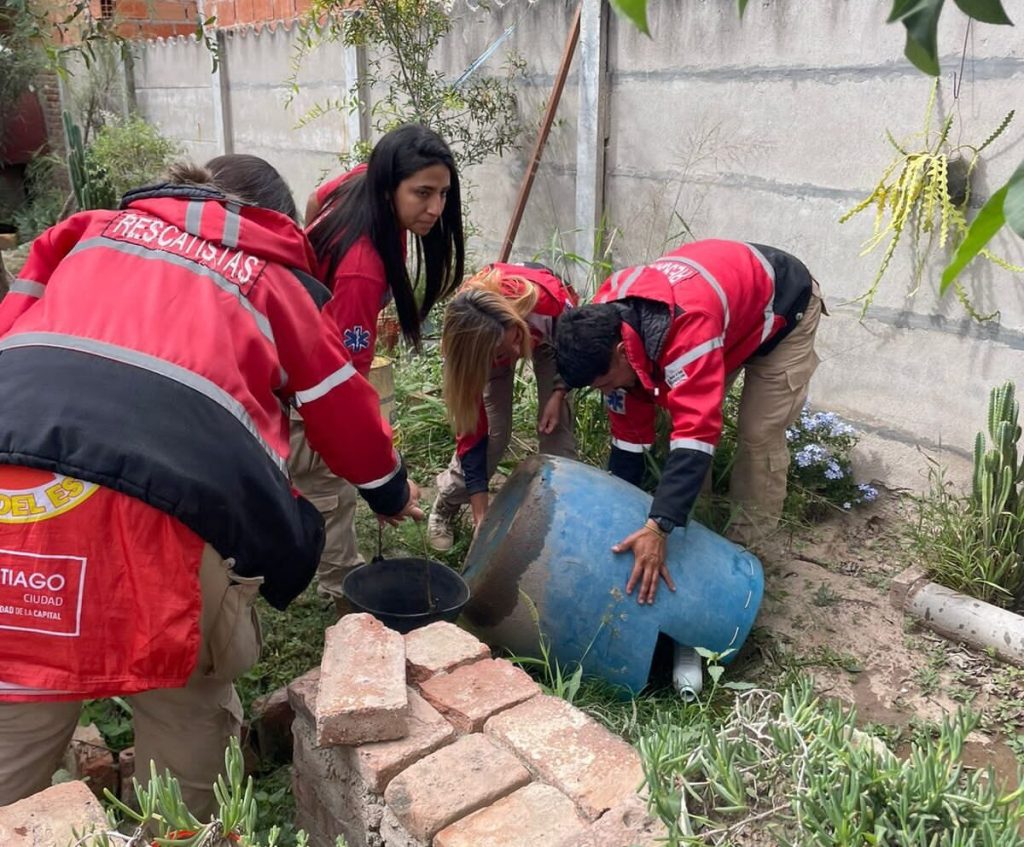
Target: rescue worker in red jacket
column 408, row 188
column 674, row 334
column 146, row 357
column 504, row 313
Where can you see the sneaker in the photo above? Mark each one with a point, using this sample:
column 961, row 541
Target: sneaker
column 440, row 531
column 687, row 673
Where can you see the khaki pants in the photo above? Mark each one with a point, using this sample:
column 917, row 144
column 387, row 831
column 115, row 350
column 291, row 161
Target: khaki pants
column 498, row 398
column 774, row 391
column 335, row 499
column 183, row 730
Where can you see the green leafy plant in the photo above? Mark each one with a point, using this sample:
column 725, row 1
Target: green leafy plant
column 924, row 191
column 45, row 200
column 162, row 816
column 477, row 115
column 794, row 769
column 125, row 154
column 975, row 544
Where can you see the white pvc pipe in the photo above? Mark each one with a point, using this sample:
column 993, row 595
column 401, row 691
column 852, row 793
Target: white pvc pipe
column 962, row 618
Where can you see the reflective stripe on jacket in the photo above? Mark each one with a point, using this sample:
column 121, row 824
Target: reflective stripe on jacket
column 721, row 303
column 153, row 350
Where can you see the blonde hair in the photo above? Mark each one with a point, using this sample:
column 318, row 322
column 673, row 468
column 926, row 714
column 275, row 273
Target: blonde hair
column 486, row 306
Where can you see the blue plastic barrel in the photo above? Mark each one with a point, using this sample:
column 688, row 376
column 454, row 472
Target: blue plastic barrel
column 542, row 563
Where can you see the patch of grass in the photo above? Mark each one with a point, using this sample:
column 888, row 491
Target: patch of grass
column 292, row 644
column 792, row 769
column 975, row 544
column 825, row 596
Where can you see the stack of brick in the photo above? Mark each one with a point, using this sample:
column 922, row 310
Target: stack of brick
column 425, row 740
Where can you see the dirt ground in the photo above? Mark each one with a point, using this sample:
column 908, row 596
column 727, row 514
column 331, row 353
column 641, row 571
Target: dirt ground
column 827, row 612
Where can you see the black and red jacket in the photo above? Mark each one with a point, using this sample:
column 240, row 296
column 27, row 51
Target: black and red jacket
column 554, row 297
column 690, row 319
column 154, row 350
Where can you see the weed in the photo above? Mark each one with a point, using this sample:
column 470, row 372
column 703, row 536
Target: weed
column 927, row 679
column 793, row 768
column 160, row 813
column 292, row 644
column 825, row 596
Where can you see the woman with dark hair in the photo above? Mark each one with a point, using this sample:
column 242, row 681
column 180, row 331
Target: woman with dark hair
column 253, row 180
column 409, row 186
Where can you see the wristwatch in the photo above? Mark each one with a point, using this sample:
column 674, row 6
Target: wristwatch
column 664, row 524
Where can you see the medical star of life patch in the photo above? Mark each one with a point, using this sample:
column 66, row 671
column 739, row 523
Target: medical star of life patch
column 356, row 338
column 616, row 401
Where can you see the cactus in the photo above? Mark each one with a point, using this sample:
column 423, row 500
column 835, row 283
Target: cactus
column 996, row 487
column 81, row 182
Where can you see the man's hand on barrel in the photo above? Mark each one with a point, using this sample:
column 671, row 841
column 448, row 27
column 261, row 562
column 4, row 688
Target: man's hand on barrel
column 411, row 510
column 648, row 546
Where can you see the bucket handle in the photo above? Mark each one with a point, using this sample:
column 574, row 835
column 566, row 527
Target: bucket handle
column 380, row 543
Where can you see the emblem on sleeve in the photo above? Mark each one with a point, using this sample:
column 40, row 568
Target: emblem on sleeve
column 616, row 401
column 356, row 338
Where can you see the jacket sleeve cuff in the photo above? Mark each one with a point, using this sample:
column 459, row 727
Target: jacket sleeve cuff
column 681, row 481
column 474, row 467
column 627, row 465
column 389, row 495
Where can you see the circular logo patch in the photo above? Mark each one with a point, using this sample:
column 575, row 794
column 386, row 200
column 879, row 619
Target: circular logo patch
column 28, row 495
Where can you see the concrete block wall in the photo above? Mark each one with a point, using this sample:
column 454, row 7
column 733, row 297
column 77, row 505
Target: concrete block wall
column 487, row 760
column 768, row 129
column 173, row 91
column 764, row 129
column 264, row 121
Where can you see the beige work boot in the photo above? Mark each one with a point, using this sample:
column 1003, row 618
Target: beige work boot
column 440, row 529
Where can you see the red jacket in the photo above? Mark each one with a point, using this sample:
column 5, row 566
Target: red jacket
column 99, row 592
column 359, row 287
column 153, row 350
column 554, row 297
column 721, row 302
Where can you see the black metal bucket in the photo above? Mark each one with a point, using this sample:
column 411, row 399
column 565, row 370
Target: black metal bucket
column 395, row 592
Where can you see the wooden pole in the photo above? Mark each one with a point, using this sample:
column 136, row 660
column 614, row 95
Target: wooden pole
column 542, row 137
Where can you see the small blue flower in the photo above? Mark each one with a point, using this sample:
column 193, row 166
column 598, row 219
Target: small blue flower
column 811, row 454
column 868, row 493
column 792, row 434
column 833, row 471
column 847, row 505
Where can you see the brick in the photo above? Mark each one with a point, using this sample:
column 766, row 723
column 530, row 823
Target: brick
column 393, row 834
column 469, row 695
column 362, row 694
column 628, row 823
column 284, row 10
column 442, row 646
column 49, row 818
column 271, row 725
column 379, row 762
column 564, row 747
column 535, row 815
column 262, row 11
column 89, row 759
column 226, row 13
column 327, row 776
column 302, row 695
column 243, row 11
column 458, row 779
column 905, row 584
